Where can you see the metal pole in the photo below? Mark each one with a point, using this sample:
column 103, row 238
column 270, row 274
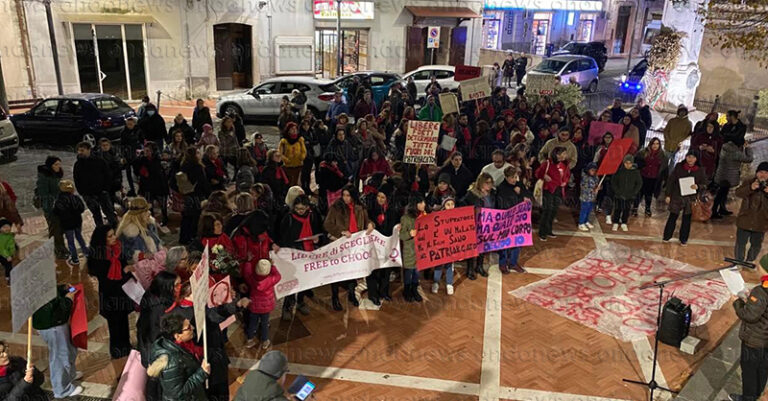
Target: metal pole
column 54, row 49
column 3, row 94
column 340, row 50
column 632, row 37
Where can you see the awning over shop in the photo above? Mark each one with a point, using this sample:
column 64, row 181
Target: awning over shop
column 97, row 18
column 442, row 12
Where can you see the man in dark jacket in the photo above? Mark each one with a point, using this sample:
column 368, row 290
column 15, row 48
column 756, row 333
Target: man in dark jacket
column 734, row 128
column 460, row 175
column 153, row 125
column 113, row 160
column 752, row 219
column 19, row 381
column 752, row 310
column 93, row 180
column 645, row 114
column 176, row 361
column 131, row 142
column 617, row 112
column 52, row 322
column 266, row 382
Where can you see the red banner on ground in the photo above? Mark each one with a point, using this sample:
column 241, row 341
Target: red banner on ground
column 614, row 156
column 445, row 236
column 598, row 128
column 78, row 324
column 501, row 229
column 463, row 72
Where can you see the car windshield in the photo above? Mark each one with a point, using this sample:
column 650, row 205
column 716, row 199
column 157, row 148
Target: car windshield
column 111, row 105
column 329, row 88
column 550, row 66
column 572, row 47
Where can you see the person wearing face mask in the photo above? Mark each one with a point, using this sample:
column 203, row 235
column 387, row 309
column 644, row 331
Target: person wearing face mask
column 142, row 110
column 177, row 362
column 93, row 180
column 153, row 125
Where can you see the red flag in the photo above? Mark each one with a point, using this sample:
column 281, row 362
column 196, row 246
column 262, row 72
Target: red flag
column 599, row 128
column 614, row 156
column 78, row 324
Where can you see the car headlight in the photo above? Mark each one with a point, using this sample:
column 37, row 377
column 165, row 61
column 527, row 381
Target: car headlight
column 623, row 77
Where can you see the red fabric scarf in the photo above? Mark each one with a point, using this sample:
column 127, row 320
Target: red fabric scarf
column 334, row 169
column 219, row 167
column 115, row 267
column 690, row 169
column 352, row 219
column 3, row 371
column 306, row 230
column 280, row 174
column 383, row 214
column 467, row 134
column 192, row 348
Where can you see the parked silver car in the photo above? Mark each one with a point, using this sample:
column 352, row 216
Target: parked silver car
column 579, row 69
column 422, row 77
column 9, row 140
column 263, row 100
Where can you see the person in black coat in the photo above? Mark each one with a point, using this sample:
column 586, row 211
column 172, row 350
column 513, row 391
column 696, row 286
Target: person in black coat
column 131, row 142
column 385, row 218
column 69, row 208
column 734, row 128
column 110, row 266
column 153, row 125
column 192, row 169
column 617, row 111
column 218, row 379
column 180, row 124
column 330, row 177
column 481, row 194
column 153, row 183
column 645, row 114
column 274, row 174
column 160, row 296
column 460, row 176
column 113, row 160
column 201, row 116
column 93, row 180
column 303, row 221
column 17, row 382
column 510, row 193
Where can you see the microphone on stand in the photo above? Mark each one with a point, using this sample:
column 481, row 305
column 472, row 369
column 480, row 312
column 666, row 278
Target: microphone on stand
column 737, row 262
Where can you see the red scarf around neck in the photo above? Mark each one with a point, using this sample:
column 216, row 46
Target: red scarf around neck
column 219, row 167
column 306, row 230
column 192, row 348
column 353, row 228
column 383, row 214
column 690, row 169
column 280, row 174
column 115, row 267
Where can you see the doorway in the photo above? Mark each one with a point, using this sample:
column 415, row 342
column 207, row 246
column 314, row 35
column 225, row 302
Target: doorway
column 622, row 25
column 355, row 45
column 233, row 54
column 540, row 29
column 110, row 59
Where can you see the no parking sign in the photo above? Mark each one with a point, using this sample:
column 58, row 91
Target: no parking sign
column 433, row 37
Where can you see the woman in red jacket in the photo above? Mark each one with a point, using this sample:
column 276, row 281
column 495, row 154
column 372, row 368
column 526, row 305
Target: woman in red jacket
column 262, row 280
column 374, row 163
column 555, row 174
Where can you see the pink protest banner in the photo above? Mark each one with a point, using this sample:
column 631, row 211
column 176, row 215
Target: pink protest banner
column 615, row 155
column 598, row 128
column 502, row 229
column 133, row 380
column 445, row 236
column 602, row 291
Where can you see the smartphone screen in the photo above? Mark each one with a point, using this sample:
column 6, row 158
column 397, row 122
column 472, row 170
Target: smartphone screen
column 72, row 289
column 305, row 391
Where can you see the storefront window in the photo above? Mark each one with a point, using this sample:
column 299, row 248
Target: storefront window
column 491, row 31
column 540, row 30
column 355, row 45
column 585, row 28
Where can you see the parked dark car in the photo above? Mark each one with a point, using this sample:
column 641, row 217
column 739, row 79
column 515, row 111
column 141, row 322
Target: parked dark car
column 73, row 118
column 380, row 83
column 596, row 50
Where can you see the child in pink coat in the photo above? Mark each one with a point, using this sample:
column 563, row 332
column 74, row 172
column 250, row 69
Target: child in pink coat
column 262, row 283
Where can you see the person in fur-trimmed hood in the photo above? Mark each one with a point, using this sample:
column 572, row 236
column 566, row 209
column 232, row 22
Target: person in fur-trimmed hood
column 138, row 232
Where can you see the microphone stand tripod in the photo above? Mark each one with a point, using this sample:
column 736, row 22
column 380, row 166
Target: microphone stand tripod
column 652, row 385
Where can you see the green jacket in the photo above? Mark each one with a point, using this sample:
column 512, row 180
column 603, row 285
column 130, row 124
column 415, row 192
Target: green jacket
column 676, row 130
column 180, row 374
column 54, row 313
column 259, row 386
column 408, row 223
column 7, row 245
column 47, row 187
column 626, row 184
column 434, row 113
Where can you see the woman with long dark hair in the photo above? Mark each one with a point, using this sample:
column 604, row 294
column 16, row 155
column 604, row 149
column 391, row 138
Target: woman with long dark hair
column 345, row 217
column 194, row 188
column 416, row 207
column 161, row 294
column 109, row 265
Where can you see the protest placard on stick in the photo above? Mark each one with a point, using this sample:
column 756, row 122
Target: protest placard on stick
column 445, row 236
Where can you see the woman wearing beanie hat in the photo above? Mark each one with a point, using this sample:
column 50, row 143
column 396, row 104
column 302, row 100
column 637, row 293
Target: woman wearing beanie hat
column 678, row 203
column 261, row 280
column 442, row 191
column 294, row 152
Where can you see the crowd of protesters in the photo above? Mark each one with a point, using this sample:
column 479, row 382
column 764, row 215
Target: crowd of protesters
column 232, row 192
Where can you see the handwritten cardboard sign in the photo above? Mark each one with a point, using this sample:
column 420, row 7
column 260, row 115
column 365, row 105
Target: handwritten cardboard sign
column 449, row 103
column 474, row 89
column 421, row 142
column 33, row 284
column 445, row 236
column 502, row 229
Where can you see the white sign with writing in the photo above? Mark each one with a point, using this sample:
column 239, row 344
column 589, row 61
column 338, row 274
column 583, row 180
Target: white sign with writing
column 475, row 88
column 33, row 284
column 199, row 283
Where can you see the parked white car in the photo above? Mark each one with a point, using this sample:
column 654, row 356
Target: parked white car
column 580, row 69
column 9, row 140
column 422, row 77
column 263, row 100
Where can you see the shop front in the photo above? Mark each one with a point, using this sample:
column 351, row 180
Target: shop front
column 531, row 26
column 356, row 19
column 454, row 30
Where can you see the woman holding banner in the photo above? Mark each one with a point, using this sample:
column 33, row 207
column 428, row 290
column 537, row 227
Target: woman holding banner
column 385, row 218
column 481, row 194
column 416, row 207
column 345, row 217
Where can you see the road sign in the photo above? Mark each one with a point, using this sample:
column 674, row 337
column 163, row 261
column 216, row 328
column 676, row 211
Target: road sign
column 433, row 37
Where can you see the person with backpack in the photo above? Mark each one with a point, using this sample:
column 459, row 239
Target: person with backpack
column 246, row 171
